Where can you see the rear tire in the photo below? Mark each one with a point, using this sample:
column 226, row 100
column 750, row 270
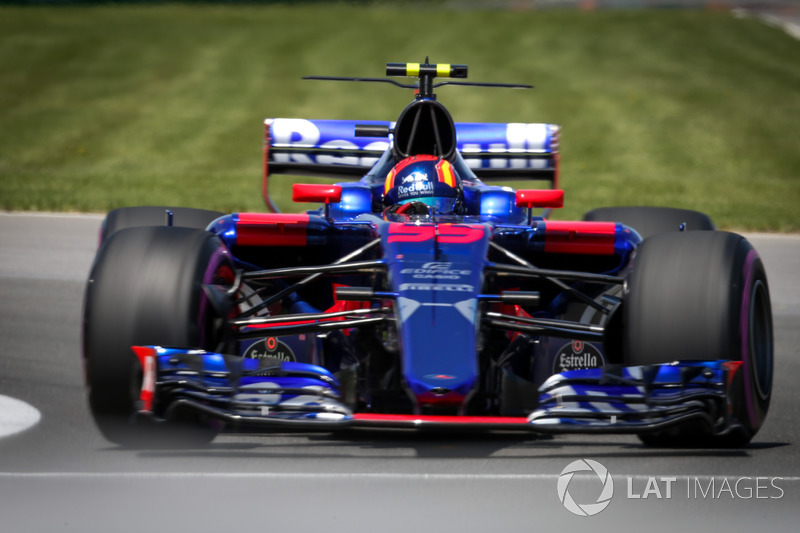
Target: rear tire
column 703, row 296
column 145, row 289
column 649, row 221
column 132, row 217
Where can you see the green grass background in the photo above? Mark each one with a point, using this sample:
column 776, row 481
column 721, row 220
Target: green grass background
column 102, row 107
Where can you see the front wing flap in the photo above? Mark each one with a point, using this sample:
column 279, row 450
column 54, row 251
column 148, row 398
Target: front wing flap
column 271, row 393
column 238, row 390
column 616, row 399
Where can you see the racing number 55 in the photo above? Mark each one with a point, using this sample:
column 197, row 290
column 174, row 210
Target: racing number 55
column 447, row 233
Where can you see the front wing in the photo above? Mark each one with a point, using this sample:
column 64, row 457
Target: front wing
column 274, row 394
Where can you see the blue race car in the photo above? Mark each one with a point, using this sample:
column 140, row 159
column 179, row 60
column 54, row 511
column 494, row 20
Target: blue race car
column 420, row 296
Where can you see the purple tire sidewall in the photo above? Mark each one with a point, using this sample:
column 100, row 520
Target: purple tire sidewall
column 218, row 257
column 749, row 366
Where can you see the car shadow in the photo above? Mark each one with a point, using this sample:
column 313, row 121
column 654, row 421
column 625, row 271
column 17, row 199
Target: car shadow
column 409, row 445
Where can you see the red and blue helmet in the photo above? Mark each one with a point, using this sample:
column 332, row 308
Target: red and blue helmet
column 424, row 178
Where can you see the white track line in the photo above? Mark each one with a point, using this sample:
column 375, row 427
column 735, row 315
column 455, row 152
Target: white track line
column 16, row 416
column 379, row 476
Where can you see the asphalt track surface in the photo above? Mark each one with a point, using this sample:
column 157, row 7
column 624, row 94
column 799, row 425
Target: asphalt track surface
column 61, row 475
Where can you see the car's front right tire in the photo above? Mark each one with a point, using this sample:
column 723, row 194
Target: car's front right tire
column 652, row 220
column 150, row 215
column 703, row 296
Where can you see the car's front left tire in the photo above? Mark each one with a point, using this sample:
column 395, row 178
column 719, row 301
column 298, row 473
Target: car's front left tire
column 145, row 288
column 150, row 215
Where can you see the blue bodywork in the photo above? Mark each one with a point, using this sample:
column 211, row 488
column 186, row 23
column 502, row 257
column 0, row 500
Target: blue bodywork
column 496, row 317
column 436, row 276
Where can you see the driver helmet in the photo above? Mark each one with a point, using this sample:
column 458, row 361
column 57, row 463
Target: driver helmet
column 424, row 178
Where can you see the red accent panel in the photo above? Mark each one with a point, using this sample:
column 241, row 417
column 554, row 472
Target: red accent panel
column 271, row 229
column 316, row 192
column 589, row 238
column 732, row 367
column 421, row 419
column 147, row 358
column 540, row 198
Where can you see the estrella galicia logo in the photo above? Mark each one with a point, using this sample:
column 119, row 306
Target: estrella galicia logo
column 270, row 348
column 586, row 509
column 577, row 355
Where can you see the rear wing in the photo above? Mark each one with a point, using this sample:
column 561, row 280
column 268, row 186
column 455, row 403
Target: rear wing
column 330, row 148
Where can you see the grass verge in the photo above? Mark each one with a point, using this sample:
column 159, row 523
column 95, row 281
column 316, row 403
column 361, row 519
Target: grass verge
column 102, row 107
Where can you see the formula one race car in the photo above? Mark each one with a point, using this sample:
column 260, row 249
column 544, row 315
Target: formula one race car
column 419, row 296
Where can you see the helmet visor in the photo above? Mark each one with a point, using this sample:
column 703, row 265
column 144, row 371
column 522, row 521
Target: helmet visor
column 442, row 205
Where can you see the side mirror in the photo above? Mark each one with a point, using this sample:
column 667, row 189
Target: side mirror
column 540, row 198
column 316, row 193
